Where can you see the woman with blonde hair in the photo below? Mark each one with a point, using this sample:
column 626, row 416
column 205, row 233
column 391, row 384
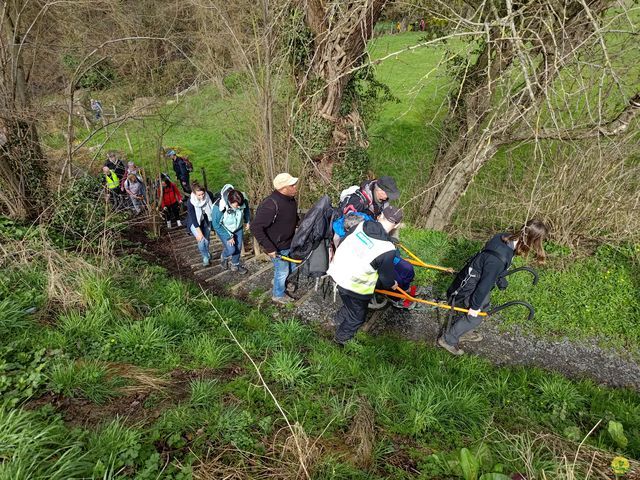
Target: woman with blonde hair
column 472, row 286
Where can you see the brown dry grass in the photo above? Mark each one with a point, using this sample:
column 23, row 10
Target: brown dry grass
column 362, row 435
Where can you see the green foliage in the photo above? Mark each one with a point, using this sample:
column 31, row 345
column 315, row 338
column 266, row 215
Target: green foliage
column 88, row 379
column 144, row 342
column 36, row 450
column 366, row 94
column 209, row 351
column 204, row 392
column 96, row 77
column 353, row 167
column 288, row 368
column 79, row 214
column 616, row 431
column 21, row 374
column 113, row 447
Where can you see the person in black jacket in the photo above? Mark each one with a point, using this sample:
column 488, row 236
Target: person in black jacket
column 181, row 169
column 362, row 263
column 472, row 286
column 274, row 226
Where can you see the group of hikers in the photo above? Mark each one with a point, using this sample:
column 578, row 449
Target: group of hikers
column 362, row 250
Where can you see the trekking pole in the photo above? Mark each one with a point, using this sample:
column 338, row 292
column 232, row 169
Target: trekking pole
column 416, row 261
column 406, row 296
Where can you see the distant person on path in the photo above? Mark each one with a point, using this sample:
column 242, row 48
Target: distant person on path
column 422, row 25
column 182, row 169
column 199, row 216
column 135, row 189
column 112, row 182
column 96, row 106
column 363, row 260
column 230, row 214
column 170, row 203
column 472, row 286
column 274, row 226
column 115, row 164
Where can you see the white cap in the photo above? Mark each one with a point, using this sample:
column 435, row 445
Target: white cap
column 284, row 180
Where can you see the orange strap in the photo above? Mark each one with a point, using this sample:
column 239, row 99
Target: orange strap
column 406, row 296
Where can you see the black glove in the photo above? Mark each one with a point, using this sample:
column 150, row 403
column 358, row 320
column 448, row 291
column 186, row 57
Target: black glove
column 502, row 283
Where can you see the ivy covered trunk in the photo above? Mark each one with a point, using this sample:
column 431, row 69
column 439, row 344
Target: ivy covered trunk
column 23, row 167
column 340, row 31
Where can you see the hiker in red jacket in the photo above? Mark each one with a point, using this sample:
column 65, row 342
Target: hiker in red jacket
column 171, row 199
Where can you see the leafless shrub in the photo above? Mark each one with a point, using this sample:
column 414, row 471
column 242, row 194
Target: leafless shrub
column 362, row 434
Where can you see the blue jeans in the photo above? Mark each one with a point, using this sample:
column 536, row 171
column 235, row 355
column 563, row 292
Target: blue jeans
column 203, row 245
column 281, row 270
column 234, row 250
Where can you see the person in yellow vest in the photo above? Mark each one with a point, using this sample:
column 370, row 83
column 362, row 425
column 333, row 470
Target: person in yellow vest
column 113, row 185
column 363, row 260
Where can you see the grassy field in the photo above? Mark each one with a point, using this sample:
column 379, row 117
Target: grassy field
column 126, row 372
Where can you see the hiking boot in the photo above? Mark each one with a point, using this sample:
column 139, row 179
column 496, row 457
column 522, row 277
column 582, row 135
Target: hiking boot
column 238, row 268
column 169, row 224
column 449, row 348
column 282, row 300
column 206, row 261
column 224, row 262
column 179, row 223
column 471, row 336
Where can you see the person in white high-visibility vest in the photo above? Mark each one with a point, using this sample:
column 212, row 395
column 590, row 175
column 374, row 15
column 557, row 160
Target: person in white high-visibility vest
column 363, row 261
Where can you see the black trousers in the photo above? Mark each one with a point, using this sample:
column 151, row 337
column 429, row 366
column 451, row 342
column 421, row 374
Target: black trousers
column 351, row 315
column 173, row 212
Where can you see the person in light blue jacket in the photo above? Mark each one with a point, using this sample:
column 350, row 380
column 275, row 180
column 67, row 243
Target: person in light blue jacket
column 230, row 214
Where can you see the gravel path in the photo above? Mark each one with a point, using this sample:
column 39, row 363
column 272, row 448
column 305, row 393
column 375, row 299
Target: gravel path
column 584, row 359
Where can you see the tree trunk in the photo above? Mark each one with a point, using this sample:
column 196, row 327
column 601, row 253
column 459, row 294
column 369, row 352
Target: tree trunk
column 23, row 167
column 455, row 183
column 341, row 31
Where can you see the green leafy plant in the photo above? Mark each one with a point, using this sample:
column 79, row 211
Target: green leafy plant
column 22, row 374
column 616, row 432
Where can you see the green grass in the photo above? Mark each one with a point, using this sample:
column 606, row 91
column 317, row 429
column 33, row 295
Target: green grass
column 588, row 298
column 422, row 404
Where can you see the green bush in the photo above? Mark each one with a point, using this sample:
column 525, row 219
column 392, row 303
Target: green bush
column 88, row 379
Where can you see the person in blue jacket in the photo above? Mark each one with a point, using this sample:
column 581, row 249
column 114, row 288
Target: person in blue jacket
column 230, row 215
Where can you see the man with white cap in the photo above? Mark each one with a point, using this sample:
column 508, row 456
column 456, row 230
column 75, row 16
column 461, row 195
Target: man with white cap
column 274, row 226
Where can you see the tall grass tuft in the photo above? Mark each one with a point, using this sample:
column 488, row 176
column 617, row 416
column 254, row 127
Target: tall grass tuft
column 142, row 342
column 88, row 379
column 204, row 392
column 178, row 320
column 114, row 447
column 35, row 450
column 288, row 368
column 209, row 351
column 291, row 333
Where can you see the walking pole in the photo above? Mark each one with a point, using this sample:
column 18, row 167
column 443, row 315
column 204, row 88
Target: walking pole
column 420, row 263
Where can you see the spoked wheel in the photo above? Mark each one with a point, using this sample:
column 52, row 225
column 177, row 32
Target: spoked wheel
column 378, row 302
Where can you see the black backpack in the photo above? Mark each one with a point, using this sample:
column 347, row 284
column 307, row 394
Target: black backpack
column 466, row 280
